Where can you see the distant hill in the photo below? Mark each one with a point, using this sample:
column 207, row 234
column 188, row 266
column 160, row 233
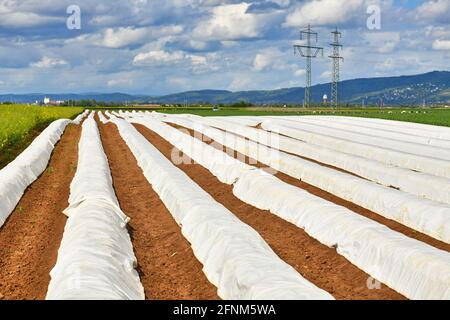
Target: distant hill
column 106, row 97
column 433, row 87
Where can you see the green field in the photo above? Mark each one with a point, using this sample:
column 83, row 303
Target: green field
column 440, row 117
column 20, row 124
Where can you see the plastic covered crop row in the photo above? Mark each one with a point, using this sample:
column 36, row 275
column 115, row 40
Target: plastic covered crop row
column 96, row 258
column 415, row 269
column 416, row 183
column 426, row 216
column 20, row 173
column 385, row 131
column 438, row 167
column 80, row 117
column 234, row 256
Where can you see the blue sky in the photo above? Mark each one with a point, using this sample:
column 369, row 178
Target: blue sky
column 156, row 47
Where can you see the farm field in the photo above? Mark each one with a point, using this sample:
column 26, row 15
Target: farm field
column 20, row 124
column 433, row 116
column 230, row 206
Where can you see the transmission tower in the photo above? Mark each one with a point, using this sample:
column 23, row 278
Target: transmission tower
column 336, row 67
column 308, row 51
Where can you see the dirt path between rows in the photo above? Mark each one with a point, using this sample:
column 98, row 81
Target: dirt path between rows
column 167, row 265
column 30, row 238
column 314, row 261
column 394, row 225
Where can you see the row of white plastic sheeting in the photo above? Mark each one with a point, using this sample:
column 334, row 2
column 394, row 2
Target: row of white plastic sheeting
column 234, row 256
column 406, row 148
column 383, row 132
column 419, row 129
column 415, row 269
column 438, row 167
column 27, row 167
column 80, row 117
column 117, row 114
column 95, row 259
column 426, row 216
column 110, row 115
column 102, row 118
column 416, row 183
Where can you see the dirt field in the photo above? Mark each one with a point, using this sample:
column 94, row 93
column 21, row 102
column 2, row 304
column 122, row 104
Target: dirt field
column 167, row 266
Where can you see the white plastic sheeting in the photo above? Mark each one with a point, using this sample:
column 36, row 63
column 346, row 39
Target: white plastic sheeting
column 102, row 118
column 234, row 256
column 438, row 167
column 27, row 167
column 419, row 129
column 95, row 259
column 110, row 115
column 117, row 114
column 344, row 132
column 384, row 132
column 80, row 117
column 416, row 183
column 426, row 216
column 415, row 269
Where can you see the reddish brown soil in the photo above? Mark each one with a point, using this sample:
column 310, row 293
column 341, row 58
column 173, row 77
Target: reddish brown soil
column 316, row 262
column 167, row 265
column 394, row 225
column 31, row 236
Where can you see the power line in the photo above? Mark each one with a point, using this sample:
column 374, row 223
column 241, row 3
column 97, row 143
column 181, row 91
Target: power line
column 336, row 67
column 308, row 51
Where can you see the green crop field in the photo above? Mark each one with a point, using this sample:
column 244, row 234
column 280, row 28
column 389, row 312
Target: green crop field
column 19, row 124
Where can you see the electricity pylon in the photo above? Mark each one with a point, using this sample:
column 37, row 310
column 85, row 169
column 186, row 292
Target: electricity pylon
column 308, row 51
column 336, row 67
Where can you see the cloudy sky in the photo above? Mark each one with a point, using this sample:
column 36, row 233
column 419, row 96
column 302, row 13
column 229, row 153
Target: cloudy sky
column 162, row 46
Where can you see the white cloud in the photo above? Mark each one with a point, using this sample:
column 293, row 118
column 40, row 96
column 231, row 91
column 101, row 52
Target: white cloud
column 271, row 58
column 433, row 10
column 383, row 42
column 47, row 62
column 120, row 82
column 281, row 3
column 326, row 75
column 26, row 19
column 162, row 57
column 231, row 22
column 262, row 61
column 441, row 45
column 158, row 57
column 105, row 20
column 437, row 32
column 197, row 60
column 299, row 72
column 229, row 43
column 240, row 82
column 126, row 36
column 324, row 12
column 387, row 64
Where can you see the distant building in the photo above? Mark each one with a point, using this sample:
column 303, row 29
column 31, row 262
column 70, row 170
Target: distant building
column 325, row 99
column 49, row 102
